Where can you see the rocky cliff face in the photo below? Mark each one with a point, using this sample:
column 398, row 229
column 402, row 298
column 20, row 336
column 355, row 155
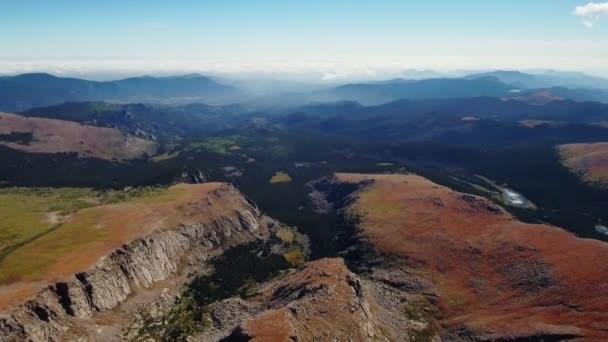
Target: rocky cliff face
column 322, row 301
column 136, row 265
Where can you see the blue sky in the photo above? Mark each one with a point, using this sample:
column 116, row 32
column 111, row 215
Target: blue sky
column 337, row 36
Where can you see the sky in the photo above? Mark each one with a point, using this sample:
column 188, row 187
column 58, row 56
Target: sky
column 326, row 38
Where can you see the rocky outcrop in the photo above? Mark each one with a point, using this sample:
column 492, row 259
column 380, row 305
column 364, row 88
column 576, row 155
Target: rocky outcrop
column 134, row 266
column 191, row 176
column 322, row 301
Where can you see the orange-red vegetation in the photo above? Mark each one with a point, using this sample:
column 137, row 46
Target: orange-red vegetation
column 92, row 233
column 590, row 160
column 53, row 136
column 270, row 326
column 492, row 273
column 323, row 301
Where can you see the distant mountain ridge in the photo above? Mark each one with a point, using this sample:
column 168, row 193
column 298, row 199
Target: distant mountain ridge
column 551, row 79
column 481, row 107
column 23, row 92
column 498, row 84
column 487, row 121
column 514, row 78
column 147, row 120
column 26, row 91
column 374, row 93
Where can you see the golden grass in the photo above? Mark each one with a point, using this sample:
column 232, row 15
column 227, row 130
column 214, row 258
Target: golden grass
column 286, row 235
column 93, row 232
column 26, row 213
column 280, row 177
column 295, row 257
column 588, row 160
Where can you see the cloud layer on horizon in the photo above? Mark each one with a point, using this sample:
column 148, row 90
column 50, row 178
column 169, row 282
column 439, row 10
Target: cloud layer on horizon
column 337, row 70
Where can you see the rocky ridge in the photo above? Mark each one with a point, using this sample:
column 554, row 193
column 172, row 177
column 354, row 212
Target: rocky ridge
column 135, row 266
column 322, row 301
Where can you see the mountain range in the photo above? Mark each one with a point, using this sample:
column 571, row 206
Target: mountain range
column 35, row 90
column 544, row 80
column 421, row 210
column 26, row 91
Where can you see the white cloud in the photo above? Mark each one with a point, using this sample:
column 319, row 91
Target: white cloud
column 592, row 12
column 592, row 9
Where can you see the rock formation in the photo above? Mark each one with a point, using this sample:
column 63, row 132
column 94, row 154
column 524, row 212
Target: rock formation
column 323, row 301
column 136, row 265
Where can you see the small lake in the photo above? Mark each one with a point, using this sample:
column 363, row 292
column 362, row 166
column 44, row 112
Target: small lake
column 601, row 229
column 515, row 199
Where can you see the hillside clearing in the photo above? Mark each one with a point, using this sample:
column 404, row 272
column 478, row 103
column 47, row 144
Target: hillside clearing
column 280, row 177
column 40, row 135
column 588, row 160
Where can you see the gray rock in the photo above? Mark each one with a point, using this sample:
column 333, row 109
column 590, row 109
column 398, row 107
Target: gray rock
column 138, row 264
